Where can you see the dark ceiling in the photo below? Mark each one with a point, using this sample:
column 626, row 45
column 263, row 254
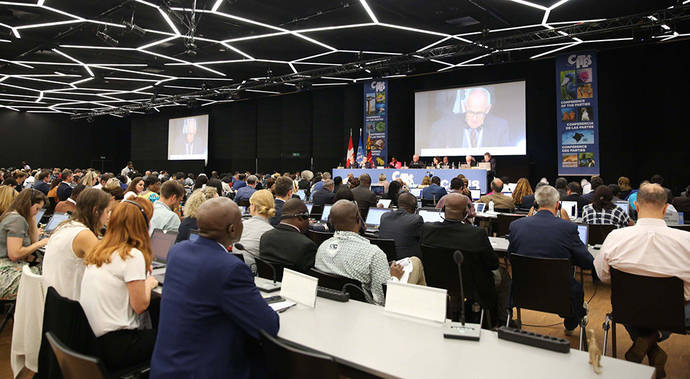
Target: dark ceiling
column 74, row 56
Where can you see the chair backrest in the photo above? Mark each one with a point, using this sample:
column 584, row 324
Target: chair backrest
column 684, row 227
column 644, row 301
column 388, row 247
column 441, row 271
column 541, row 284
column 74, row 365
column 428, row 203
column 243, row 203
column 316, row 211
column 284, row 360
column 338, row 283
column 270, row 270
column 319, row 237
column 503, row 221
column 598, row 233
column 503, row 210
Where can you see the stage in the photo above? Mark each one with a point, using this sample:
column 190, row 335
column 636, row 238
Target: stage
column 477, row 177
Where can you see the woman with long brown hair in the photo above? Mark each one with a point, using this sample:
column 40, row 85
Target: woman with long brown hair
column 19, row 238
column 136, row 187
column 116, row 289
column 63, row 265
column 522, row 189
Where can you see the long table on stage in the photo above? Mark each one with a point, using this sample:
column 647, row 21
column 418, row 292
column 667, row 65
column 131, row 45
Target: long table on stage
column 413, row 176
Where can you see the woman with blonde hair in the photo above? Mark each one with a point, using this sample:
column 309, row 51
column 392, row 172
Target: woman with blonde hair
column 113, row 183
column 262, row 208
column 116, row 289
column 426, row 182
column 90, row 179
column 191, row 207
column 7, row 195
column 63, row 264
column 19, row 239
column 522, row 189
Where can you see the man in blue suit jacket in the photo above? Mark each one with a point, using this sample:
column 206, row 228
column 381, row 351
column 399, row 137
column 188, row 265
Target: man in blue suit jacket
column 545, row 235
column 211, row 309
column 434, row 189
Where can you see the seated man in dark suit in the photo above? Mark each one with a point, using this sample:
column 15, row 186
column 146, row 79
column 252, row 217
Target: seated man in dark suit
column 403, row 226
column 211, row 313
column 364, row 197
column 574, row 191
column 65, row 187
column 286, row 244
column 325, row 195
column 545, row 235
column 434, row 191
column 416, row 163
column 43, row 182
column 455, row 233
column 682, row 204
column 282, row 190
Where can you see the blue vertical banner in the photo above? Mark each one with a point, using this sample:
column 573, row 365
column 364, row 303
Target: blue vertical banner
column 578, row 114
column 376, row 120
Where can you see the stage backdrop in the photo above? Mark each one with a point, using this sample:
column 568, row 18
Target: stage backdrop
column 577, row 114
column 376, row 120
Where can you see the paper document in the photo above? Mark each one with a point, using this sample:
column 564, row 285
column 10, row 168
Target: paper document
column 407, row 269
column 282, row 305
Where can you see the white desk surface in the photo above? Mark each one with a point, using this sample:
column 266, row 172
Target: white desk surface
column 398, row 346
column 500, row 244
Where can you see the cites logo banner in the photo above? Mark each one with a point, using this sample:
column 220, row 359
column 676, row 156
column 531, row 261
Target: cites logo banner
column 581, row 61
column 378, row 86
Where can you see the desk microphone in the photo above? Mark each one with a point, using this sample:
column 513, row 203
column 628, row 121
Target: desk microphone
column 458, row 258
column 239, row 246
column 461, row 330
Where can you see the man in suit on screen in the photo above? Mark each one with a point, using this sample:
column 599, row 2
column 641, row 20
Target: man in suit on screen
column 470, row 125
column 189, row 142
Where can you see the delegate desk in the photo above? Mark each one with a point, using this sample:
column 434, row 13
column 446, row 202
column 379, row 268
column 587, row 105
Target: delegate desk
column 367, row 337
column 477, row 177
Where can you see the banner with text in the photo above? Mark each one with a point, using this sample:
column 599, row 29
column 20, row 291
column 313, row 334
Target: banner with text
column 376, row 120
column 578, row 114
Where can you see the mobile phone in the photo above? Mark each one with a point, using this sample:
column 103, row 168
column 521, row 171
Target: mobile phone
column 274, row 299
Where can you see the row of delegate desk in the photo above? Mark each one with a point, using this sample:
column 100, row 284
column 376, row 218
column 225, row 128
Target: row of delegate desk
column 370, row 339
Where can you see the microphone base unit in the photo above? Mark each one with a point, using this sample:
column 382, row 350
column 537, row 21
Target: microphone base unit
column 456, row 330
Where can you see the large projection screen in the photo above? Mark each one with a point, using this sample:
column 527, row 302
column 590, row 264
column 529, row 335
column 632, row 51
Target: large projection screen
column 188, row 138
column 471, row 120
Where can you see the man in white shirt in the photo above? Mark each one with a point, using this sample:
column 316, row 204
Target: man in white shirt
column 125, row 171
column 164, row 216
column 650, row 248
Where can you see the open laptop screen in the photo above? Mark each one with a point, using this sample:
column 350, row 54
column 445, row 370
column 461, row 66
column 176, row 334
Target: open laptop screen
column 623, row 205
column 55, row 221
column 430, row 216
column 570, row 208
column 161, row 242
column 309, row 206
column 476, row 194
column 583, row 231
column 374, row 216
column 302, row 195
column 326, row 212
column 378, row 190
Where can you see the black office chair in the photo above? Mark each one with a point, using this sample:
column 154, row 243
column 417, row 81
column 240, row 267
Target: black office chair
column 502, row 224
column 542, row 284
column 319, row 237
column 503, row 210
column 285, row 360
column 244, row 203
column 341, row 283
column 429, row 203
column 388, row 247
column 599, row 232
column 685, row 227
column 270, row 270
column 644, row 301
column 74, row 365
column 441, row 271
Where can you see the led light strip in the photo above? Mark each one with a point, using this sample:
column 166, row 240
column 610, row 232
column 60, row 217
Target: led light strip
column 75, row 60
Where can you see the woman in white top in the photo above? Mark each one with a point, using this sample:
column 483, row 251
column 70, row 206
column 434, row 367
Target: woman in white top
column 136, row 187
column 116, row 289
column 63, row 265
column 262, row 208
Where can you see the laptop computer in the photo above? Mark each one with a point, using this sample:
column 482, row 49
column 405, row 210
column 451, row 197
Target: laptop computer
column 378, row 190
column 507, row 193
column 326, row 212
column 243, row 209
column 161, row 242
column 479, row 207
column 39, row 215
column 624, row 206
column 193, row 236
column 476, row 194
column 54, row 221
column 416, row 191
column 583, row 231
column 385, row 202
column 510, row 187
column 570, row 208
column 374, row 217
column 302, row 195
column 430, row 215
column 309, row 206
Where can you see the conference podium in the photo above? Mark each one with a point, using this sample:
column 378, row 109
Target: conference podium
column 477, row 177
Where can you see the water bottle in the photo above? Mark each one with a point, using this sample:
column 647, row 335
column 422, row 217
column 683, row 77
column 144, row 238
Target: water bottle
column 491, row 206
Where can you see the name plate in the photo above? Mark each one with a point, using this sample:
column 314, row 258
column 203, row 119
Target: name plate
column 299, row 287
column 423, row 302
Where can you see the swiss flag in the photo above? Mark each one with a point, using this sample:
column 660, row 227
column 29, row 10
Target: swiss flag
column 350, row 152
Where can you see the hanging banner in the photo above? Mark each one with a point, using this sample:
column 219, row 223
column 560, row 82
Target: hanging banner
column 376, row 120
column 577, row 112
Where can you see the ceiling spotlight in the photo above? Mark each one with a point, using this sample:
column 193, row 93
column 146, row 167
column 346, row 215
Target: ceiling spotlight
column 269, row 72
column 134, row 28
column 191, row 47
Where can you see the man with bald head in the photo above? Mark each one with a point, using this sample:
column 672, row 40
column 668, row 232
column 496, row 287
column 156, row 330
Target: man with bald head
column 211, row 309
column 416, row 163
column 403, row 226
column 286, row 244
column 351, row 255
column 650, row 248
column 456, row 233
column 500, row 200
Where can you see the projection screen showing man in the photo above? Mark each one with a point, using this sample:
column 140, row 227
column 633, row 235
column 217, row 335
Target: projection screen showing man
column 471, row 120
column 188, row 138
